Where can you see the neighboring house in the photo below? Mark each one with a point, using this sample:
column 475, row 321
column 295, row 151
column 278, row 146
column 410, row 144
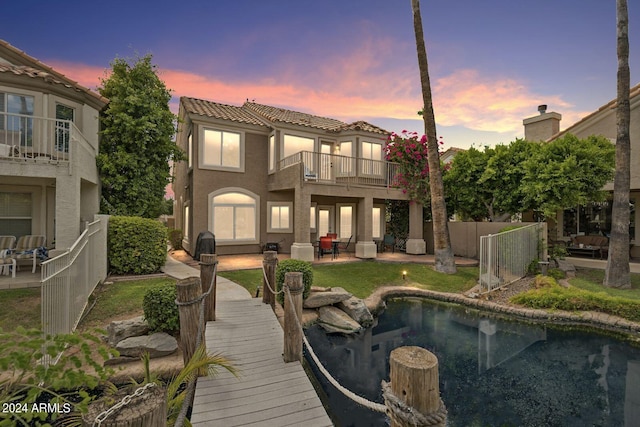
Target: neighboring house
column 48, row 143
column 259, row 176
column 593, row 218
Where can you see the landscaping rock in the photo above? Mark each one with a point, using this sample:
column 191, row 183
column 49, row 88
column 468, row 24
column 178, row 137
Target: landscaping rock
column 568, row 268
column 357, row 310
column 320, row 299
column 333, row 319
column 157, row 345
column 119, row 330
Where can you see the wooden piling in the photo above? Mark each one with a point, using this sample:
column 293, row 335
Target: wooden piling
column 414, row 380
column 292, row 314
column 207, row 267
column 188, row 293
column 269, row 263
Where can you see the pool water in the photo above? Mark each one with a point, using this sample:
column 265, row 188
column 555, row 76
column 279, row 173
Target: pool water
column 493, row 371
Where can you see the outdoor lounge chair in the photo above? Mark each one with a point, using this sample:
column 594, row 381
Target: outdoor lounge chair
column 29, row 248
column 6, row 262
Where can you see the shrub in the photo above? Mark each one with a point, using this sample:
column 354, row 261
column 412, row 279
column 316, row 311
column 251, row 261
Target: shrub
column 556, row 273
column 136, row 245
column 544, row 281
column 160, row 309
column 292, row 265
column 175, row 238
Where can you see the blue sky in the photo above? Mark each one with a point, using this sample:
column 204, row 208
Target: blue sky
column 491, row 62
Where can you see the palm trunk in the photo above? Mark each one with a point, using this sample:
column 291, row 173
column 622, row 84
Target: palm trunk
column 617, row 273
column 444, row 261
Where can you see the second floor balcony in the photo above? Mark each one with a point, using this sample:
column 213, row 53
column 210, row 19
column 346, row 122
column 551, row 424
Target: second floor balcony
column 336, row 169
column 26, row 138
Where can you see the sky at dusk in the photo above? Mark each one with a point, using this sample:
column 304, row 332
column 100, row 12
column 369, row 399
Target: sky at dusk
column 491, row 62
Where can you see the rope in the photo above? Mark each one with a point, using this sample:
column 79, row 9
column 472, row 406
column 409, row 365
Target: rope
column 408, row 415
column 266, row 280
column 191, row 387
column 378, row 407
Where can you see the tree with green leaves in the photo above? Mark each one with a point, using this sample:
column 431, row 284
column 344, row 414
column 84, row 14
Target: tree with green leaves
column 444, row 261
column 136, row 145
column 617, row 271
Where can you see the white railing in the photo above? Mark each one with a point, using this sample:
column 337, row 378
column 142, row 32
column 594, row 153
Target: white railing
column 68, row 279
column 505, row 257
column 24, row 138
column 333, row 168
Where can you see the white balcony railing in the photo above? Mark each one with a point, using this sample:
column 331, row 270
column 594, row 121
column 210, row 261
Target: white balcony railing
column 24, row 138
column 333, row 168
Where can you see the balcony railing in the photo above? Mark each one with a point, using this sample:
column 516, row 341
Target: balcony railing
column 333, row 168
column 24, row 137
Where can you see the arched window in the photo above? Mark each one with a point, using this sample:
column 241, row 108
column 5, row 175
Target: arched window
column 234, row 215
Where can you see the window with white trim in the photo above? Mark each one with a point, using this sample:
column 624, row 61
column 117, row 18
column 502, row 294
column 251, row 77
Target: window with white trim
column 222, row 149
column 376, row 217
column 234, row 216
column 65, row 115
column 293, row 144
column 371, row 163
column 190, row 150
column 279, row 217
column 346, row 165
column 186, row 221
column 346, row 221
column 16, row 125
column 312, row 217
column 272, row 153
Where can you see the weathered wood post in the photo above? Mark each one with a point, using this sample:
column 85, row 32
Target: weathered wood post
column 292, row 313
column 269, row 263
column 207, row 267
column 414, row 384
column 188, row 293
column 148, row 409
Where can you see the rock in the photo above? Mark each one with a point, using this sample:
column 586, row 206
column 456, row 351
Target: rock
column 319, row 289
column 157, row 345
column 568, row 268
column 122, row 329
column 333, row 319
column 357, row 310
column 320, row 299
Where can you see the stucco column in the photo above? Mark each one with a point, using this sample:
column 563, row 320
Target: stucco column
column 365, row 246
column 415, row 243
column 302, row 248
column 68, row 209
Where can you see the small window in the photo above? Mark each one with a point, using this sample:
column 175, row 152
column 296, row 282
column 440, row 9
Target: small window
column 272, row 153
column 190, row 150
column 347, row 219
column 279, row 217
column 371, row 163
column 15, row 214
column 64, row 117
column 376, row 216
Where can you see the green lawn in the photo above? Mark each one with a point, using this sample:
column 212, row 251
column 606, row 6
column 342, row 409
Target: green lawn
column 362, row 278
column 19, row 307
column 591, row 280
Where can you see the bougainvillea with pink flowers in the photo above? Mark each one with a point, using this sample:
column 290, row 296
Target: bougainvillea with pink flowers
column 410, row 152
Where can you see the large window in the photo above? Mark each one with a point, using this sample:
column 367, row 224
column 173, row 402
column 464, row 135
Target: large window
column 15, row 214
column 16, row 126
column 594, row 218
column 371, row 158
column 234, row 216
column 295, row 144
column 279, row 217
column 346, row 219
column 65, row 115
column 222, row 150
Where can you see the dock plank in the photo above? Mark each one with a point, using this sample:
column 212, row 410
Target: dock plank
column 267, row 392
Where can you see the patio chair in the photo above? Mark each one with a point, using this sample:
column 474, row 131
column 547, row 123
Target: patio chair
column 326, row 246
column 344, row 246
column 29, row 247
column 389, row 241
column 6, row 262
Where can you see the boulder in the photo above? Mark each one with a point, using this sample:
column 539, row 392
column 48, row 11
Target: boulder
column 157, row 345
column 333, row 319
column 320, row 299
column 119, row 330
column 357, row 310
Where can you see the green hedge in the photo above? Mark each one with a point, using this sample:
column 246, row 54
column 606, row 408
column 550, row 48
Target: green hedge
column 573, row 299
column 294, row 265
column 136, row 245
column 160, row 309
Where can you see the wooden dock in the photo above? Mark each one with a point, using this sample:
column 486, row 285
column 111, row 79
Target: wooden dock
column 268, row 392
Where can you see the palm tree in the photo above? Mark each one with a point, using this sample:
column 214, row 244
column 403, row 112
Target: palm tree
column 617, row 272
column 444, row 261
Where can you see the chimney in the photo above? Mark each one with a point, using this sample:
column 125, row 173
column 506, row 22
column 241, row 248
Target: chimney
column 543, row 126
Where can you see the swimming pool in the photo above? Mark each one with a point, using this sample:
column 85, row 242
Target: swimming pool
column 493, row 371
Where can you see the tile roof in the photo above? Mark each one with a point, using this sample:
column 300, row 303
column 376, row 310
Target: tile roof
column 633, row 92
column 38, row 70
column 220, row 111
column 265, row 115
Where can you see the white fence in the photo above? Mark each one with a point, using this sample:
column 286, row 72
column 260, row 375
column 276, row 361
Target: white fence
column 505, row 257
column 69, row 279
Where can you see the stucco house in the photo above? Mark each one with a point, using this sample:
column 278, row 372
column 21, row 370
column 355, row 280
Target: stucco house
column 48, row 143
column 594, row 218
column 259, row 176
